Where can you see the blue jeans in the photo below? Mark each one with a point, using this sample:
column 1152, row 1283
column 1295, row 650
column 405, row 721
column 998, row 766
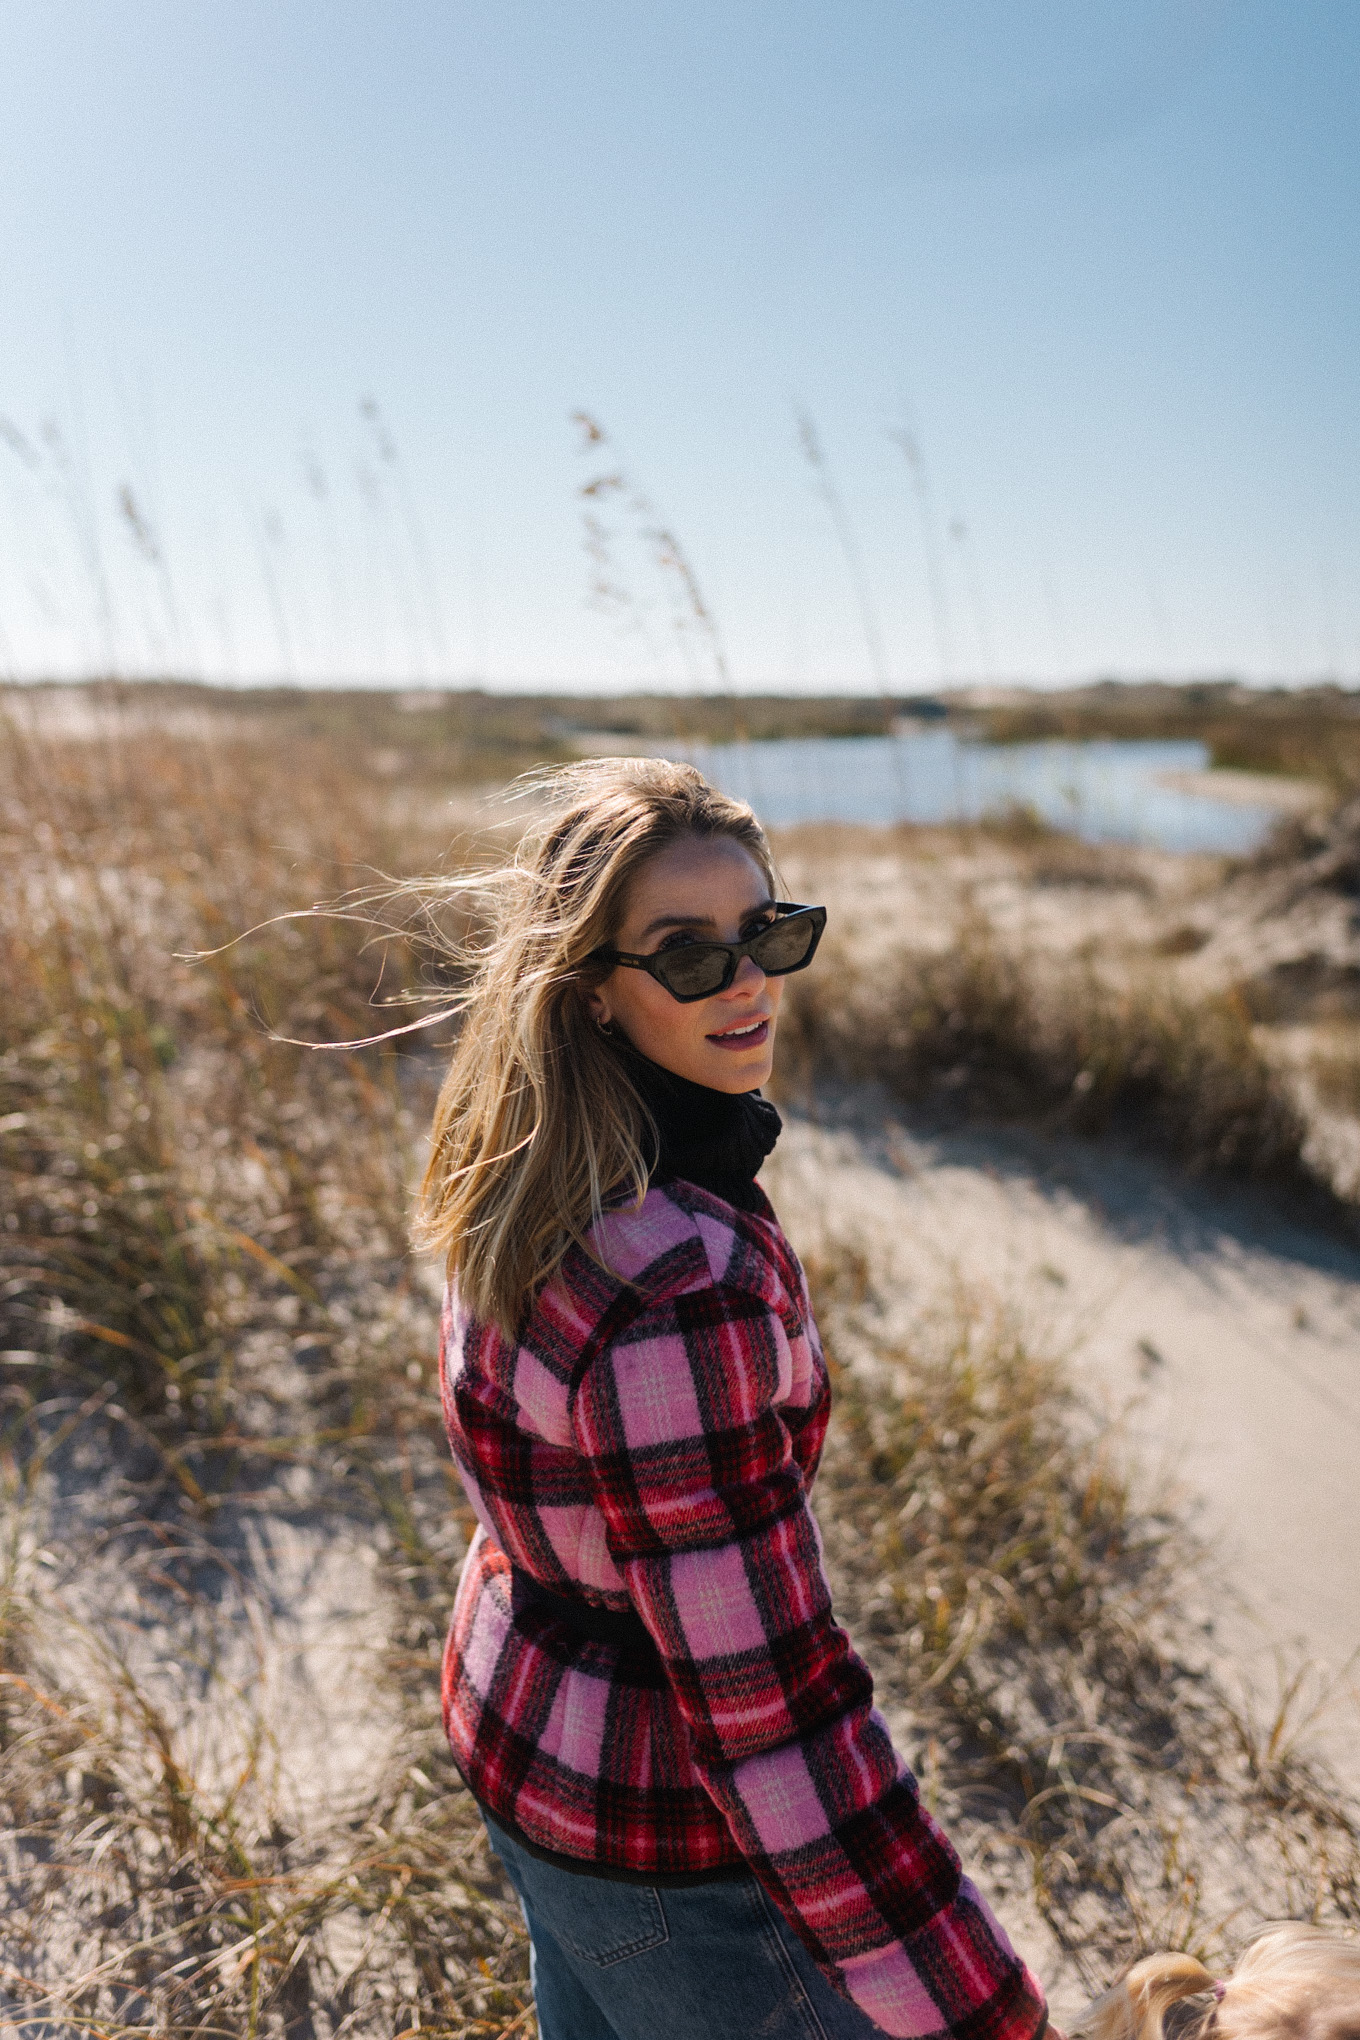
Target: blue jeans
column 682, row 1962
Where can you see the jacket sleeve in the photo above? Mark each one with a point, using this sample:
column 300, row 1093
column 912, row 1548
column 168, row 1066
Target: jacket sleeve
column 678, row 1418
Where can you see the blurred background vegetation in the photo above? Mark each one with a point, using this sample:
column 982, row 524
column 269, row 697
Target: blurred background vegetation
column 467, row 736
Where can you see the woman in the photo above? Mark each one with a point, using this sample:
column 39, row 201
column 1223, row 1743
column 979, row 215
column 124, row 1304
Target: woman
column 674, row 1745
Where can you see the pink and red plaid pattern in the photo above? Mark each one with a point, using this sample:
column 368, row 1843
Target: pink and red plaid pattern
column 648, row 1443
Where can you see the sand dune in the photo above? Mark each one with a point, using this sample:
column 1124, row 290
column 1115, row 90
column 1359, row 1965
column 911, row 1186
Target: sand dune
column 1222, row 1337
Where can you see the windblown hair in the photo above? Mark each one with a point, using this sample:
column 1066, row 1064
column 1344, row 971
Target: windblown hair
column 1293, row 1983
column 537, row 1125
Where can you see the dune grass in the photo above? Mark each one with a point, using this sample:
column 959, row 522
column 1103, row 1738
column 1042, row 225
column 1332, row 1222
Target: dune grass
column 155, row 1140
column 149, row 1893
column 1024, row 1614
column 205, row 1292
column 977, row 1029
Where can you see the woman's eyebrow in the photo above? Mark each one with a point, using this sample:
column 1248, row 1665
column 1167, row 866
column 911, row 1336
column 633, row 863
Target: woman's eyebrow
column 696, row 920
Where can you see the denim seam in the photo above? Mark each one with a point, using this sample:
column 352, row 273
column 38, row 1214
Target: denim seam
column 771, row 1925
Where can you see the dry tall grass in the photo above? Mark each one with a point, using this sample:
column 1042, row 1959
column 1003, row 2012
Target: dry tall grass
column 1024, row 1617
column 978, row 1029
column 206, row 1308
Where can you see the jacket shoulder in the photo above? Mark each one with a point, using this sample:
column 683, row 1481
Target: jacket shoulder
column 681, row 1238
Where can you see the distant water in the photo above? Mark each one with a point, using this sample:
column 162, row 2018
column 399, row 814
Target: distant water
column 1104, row 790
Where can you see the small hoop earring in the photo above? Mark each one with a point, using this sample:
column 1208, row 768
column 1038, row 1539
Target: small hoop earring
column 605, row 1028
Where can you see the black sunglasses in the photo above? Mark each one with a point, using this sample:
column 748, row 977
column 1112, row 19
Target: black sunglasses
column 696, row 970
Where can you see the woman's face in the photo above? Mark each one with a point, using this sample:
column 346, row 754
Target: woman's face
column 706, row 889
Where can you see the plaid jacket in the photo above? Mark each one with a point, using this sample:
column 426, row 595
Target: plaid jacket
column 648, row 1443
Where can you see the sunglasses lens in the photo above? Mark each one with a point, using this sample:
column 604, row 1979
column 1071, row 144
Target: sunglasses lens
column 701, row 968
column 694, row 971
column 785, row 945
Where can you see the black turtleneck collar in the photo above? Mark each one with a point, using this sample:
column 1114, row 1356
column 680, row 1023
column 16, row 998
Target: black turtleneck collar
column 717, row 1139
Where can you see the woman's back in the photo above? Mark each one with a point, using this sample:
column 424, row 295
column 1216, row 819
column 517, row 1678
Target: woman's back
column 716, row 1306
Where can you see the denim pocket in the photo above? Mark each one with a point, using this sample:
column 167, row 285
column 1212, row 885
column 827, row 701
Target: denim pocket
column 597, row 1920
column 606, row 1922
column 591, row 1917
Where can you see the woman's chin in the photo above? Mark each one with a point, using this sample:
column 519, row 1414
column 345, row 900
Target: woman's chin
column 724, row 1071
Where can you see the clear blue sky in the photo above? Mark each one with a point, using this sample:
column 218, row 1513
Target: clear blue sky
column 1101, row 262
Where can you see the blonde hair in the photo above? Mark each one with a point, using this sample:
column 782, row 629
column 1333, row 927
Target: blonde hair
column 1294, row 1983
column 537, row 1123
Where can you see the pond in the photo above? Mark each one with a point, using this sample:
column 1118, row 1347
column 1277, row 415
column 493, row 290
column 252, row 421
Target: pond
column 1105, row 790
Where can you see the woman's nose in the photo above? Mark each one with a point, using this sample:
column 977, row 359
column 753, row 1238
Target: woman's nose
column 749, row 978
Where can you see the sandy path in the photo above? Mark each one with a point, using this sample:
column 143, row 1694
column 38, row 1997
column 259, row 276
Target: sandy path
column 1225, row 1338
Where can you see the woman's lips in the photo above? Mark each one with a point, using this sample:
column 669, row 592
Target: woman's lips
column 749, row 1034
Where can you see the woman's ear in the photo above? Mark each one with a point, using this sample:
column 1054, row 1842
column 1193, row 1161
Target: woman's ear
column 598, row 1006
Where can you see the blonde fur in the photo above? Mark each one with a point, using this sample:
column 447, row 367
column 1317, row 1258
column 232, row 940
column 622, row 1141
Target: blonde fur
column 537, row 1124
column 1294, row 1983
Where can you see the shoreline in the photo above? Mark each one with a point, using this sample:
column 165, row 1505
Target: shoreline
column 1249, row 789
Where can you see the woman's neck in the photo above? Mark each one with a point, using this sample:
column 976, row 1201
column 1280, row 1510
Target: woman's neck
column 717, row 1139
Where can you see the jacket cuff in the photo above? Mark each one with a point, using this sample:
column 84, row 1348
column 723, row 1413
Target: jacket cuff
column 886, row 1986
